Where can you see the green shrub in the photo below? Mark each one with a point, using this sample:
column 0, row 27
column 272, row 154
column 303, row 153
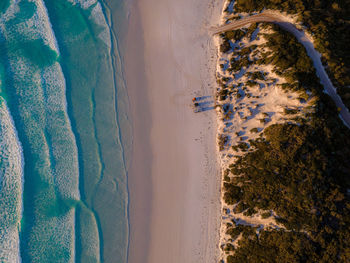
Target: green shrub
column 225, row 47
column 290, row 111
column 254, row 130
column 265, row 215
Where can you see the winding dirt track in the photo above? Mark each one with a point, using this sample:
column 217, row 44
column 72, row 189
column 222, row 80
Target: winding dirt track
column 305, row 41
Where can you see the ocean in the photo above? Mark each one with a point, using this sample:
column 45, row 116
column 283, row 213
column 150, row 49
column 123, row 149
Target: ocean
column 65, row 135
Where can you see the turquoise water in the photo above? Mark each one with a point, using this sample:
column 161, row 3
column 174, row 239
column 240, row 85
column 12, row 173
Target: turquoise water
column 63, row 112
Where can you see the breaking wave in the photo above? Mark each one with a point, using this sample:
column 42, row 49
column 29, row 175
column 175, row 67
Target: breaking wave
column 62, row 170
column 11, row 187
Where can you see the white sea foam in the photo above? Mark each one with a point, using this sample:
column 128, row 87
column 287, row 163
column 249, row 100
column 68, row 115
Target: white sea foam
column 56, row 228
column 36, row 27
column 42, row 110
column 11, row 187
column 47, row 102
column 49, row 33
column 9, row 13
column 89, row 235
column 63, row 143
column 85, row 4
column 98, row 17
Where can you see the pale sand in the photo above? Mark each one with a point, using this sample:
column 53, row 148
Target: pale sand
column 174, row 179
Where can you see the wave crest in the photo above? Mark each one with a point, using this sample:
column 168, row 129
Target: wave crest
column 11, row 187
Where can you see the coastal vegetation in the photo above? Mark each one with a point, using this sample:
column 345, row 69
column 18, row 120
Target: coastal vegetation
column 328, row 22
column 295, row 173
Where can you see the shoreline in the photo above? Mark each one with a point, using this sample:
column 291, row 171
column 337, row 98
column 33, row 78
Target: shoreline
column 174, row 177
column 130, row 43
column 140, row 195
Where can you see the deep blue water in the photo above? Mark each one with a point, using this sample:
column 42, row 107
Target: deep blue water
column 63, row 115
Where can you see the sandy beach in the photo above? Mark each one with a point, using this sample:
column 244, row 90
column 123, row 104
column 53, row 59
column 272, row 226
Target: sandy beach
column 174, row 180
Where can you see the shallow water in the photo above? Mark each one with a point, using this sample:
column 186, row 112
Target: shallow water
column 58, row 77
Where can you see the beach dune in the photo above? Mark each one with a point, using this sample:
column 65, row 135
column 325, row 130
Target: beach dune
column 174, row 180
